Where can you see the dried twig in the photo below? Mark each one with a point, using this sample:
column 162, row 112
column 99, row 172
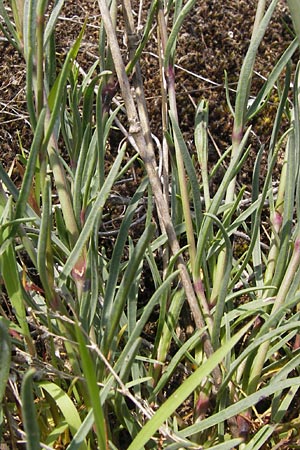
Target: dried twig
column 140, row 131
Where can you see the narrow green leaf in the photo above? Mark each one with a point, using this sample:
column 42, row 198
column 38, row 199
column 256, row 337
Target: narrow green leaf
column 247, row 67
column 170, row 368
column 191, row 172
column 280, row 409
column 65, row 404
column 114, row 271
column 223, row 289
column 82, row 432
column 82, row 160
column 54, row 435
column 5, row 357
column 263, row 94
column 29, row 46
column 50, row 27
column 30, row 166
column 288, row 211
column 251, row 348
column 297, row 136
column 175, row 30
column 136, row 333
column 201, row 142
column 11, row 277
column 56, row 93
column 260, row 438
column 219, row 196
column 88, row 174
column 11, row 32
column 44, row 253
column 152, row 10
column 89, row 370
column 167, row 324
column 93, row 216
column 294, row 9
column 189, row 385
column 256, row 222
column 239, row 407
column 11, row 187
column 111, row 326
column 228, row 445
column 29, row 412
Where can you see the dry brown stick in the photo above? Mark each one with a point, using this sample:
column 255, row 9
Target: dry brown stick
column 140, row 130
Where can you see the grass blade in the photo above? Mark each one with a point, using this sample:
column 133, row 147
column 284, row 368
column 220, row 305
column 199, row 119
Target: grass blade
column 112, row 324
column 167, row 409
column 30, row 167
column 117, row 253
column 294, row 8
column 239, row 407
column 175, row 30
column 66, row 406
column 93, row 216
column 5, row 357
column 29, row 413
column 93, row 390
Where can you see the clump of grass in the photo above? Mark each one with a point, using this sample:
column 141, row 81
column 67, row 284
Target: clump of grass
column 98, row 382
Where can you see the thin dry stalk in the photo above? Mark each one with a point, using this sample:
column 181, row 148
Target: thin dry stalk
column 140, row 130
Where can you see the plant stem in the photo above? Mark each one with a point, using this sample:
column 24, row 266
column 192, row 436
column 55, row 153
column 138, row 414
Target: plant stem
column 162, row 42
column 62, row 189
column 139, row 129
column 242, row 97
column 294, row 8
column 40, row 56
column 260, row 358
